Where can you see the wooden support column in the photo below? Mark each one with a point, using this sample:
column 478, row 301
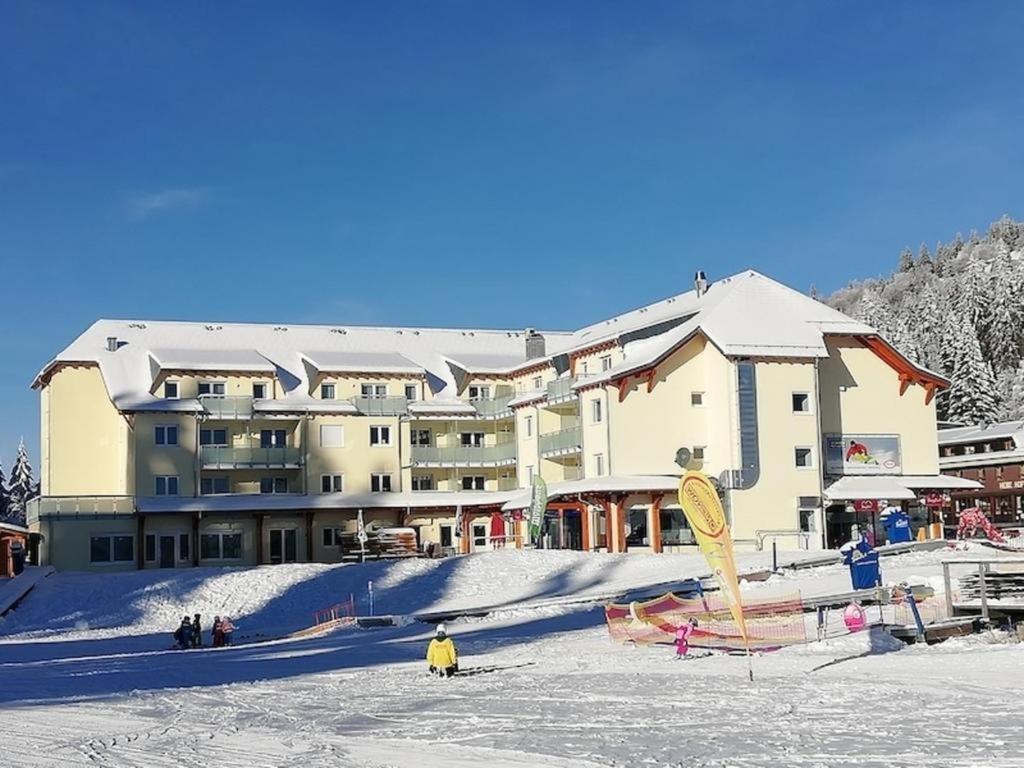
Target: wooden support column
column 309, row 537
column 517, row 529
column 609, row 531
column 140, row 551
column 620, row 509
column 655, row 527
column 584, row 526
column 464, row 545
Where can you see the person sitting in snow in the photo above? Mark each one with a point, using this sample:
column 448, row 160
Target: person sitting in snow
column 442, row 655
column 683, row 632
column 226, row 629
column 197, row 632
column 183, row 634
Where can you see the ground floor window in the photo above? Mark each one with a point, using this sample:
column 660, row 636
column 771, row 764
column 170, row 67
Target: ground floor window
column 447, row 535
column 111, row 549
column 150, row 547
column 636, row 525
column 674, row 527
column 479, row 535
column 332, row 537
column 184, row 546
column 473, row 482
column 220, row 546
column 209, row 485
column 274, row 485
column 422, row 483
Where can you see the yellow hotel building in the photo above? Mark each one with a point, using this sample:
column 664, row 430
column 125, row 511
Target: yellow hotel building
column 171, row 444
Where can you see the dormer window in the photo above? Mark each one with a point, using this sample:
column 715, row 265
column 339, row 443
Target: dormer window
column 211, row 387
column 326, row 391
column 259, row 390
column 171, row 390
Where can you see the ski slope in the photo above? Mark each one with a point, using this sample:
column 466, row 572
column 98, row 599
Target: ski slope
column 88, row 680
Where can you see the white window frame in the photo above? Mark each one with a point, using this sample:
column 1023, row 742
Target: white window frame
column 167, row 485
column 473, row 442
column 220, row 545
column 374, row 394
column 810, row 407
column 336, row 429
column 214, row 492
column 479, row 541
column 416, row 481
column 414, row 390
column 177, row 389
column 379, row 442
column 606, row 362
column 332, row 533
column 538, row 382
column 810, row 457
column 596, row 411
column 212, row 430
column 111, row 537
column 266, row 390
column 474, row 479
column 335, row 481
column 479, row 392
column 380, row 476
column 212, row 384
column 598, row 464
column 697, row 399
column 328, row 385
column 415, row 436
column 165, row 427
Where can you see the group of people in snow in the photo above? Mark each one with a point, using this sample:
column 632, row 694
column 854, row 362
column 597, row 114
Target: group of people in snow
column 190, row 633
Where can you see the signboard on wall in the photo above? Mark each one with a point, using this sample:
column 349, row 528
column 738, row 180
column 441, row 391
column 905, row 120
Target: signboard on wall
column 862, row 455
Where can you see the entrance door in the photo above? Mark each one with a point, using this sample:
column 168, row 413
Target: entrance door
column 283, row 546
column 167, row 551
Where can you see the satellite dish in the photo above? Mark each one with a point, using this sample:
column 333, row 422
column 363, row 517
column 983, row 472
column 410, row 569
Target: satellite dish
column 683, row 456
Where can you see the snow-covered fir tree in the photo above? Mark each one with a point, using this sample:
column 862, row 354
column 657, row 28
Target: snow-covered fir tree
column 943, row 306
column 4, row 502
column 22, row 486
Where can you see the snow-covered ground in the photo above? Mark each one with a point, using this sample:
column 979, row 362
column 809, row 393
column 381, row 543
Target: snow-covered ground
column 85, row 677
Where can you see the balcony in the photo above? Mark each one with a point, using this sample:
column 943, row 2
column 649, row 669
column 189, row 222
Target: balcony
column 222, row 457
column 563, row 442
column 560, row 392
column 493, row 409
column 381, row 406
column 227, row 406
column 44, row 507
column 503, row 453
column 507, row 484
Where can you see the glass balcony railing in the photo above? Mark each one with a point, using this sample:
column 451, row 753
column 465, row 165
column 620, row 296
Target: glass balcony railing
column 562, row 441
column 381, row 406
column 227, row 406
column 504, row 452
column 492, row 408
column 506, row 484
column 560, row 389
column 78, row 506
column 216, row 456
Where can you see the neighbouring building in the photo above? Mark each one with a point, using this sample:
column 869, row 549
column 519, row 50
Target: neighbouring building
column 168, row 444
column 993, row 457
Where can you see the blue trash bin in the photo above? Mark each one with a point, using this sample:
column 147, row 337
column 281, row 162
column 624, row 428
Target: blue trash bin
column 897, row 527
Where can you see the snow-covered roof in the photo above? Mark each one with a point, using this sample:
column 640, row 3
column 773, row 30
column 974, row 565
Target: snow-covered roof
column 293, row 501
column 979, row 434
column 594, row 485
column 870, row 487
column 747, row 314
column 937, row 482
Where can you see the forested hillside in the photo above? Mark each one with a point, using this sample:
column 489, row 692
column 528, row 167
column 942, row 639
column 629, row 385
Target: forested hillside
column 958, row 311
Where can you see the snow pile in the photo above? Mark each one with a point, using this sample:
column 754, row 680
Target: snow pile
column 869, row 641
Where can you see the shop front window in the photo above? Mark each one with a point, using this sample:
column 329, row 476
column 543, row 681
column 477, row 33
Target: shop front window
column 636, row 523
column 675, row 530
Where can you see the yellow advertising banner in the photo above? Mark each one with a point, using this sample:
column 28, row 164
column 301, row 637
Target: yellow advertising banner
column 703, row 510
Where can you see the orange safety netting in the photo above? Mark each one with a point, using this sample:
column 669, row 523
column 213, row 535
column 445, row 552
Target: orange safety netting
column 771, row 623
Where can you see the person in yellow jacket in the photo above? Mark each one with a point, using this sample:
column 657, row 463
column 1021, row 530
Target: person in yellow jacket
column 442, row 656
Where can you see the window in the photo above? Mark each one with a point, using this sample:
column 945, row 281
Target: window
column 599, row 464
column 697, row 399
column 595, row 411
column 213, row 437
column 259, row 390
column 273, row 438
column 326, row 391
column 171, row 390
column 273, row 485
column 410, row 392
column 332, row 483
column 529, row 473
column 471, row 439
column 375, row 391
column 804, row 458
column 380, row 435
column 212, row 485
column 482, row 392
column 220, row 546
column 422, row 483
column 332, row 537
column 584, row 368
column 211, row 387
column 698, row 453
column 419, row 437
column 111, row 548
column 473, row 483
column 636, row 527
column 150, row 547
column 166, row 434
column 528, row 426
column 801, row 402
column 447, row 535
column 380, row 483
column 184, row 546
column 538, row 382
column 479, row 535
column 675, row 529
column 166, row 485
column 332, row 436
column 606, row 362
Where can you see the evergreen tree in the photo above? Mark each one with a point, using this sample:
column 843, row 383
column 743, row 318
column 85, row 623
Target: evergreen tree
column 1004, row 316
column 21, row 486
column 972, row 397
column 4, row 501
column 924, row 258
column 906, row 260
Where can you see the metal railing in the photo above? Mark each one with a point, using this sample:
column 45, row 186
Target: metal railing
column 217, row 456
column 564, row 440
column 465, row 454
column 495, row 407
column 381, row 406
column 227, row 406
column 43, row 507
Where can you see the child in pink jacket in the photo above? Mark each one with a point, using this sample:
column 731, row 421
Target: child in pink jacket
column 683, row 633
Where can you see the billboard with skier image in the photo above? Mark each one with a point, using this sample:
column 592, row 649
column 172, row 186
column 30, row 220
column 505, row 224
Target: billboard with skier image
column 862, row 455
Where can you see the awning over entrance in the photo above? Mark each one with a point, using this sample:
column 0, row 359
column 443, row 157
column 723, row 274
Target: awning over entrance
column 873, row 487
column 938, row 482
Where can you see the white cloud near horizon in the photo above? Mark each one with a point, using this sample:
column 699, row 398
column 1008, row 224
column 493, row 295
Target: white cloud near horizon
column 146, row 204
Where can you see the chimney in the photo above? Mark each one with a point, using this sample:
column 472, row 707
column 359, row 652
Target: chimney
column 535, row 346
column 111, row 343
column 700, row 282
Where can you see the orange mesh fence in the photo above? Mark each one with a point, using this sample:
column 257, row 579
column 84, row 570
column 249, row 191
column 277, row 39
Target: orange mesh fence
column 771, row 623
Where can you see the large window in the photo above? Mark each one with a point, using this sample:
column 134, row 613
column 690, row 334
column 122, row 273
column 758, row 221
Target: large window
column 273, row 438
column 171, row 390
column 165, row 434
column 473, row 483
column 471, row 439
column 211, row 485
column 332, row 483
column 674, row 527
column 376, row 391
column 380, row 435
column 419, row 437
column 422, row 483
column 112, row 548
column 480, row 392
column 380, row 483
column 637, row 525
column 213, row 437
column 211, row 388
column 166, row 485
column 274, row 485
column 220, row 546
column 332, row 436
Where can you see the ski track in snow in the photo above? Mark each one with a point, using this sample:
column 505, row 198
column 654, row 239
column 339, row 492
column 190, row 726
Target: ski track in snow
column 563, row 694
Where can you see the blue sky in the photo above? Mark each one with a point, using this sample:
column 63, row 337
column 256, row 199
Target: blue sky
column 485, row 164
